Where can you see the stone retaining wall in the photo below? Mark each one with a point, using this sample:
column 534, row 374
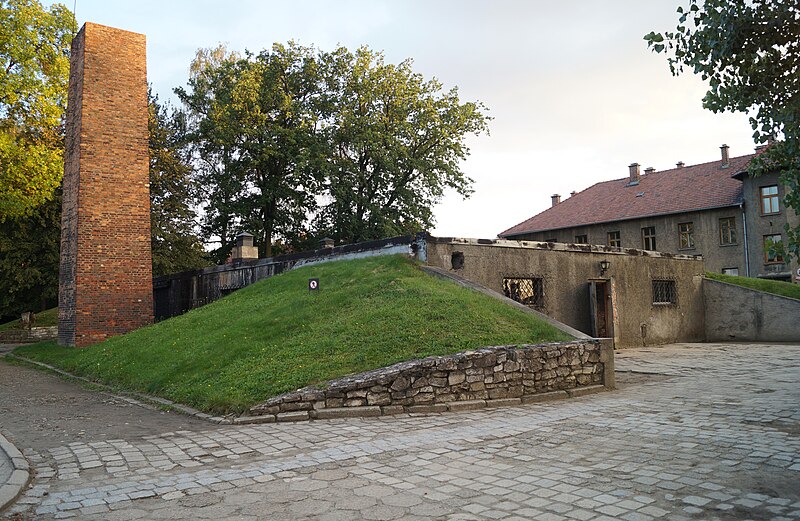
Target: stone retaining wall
column 36, row 334
column 502, row 375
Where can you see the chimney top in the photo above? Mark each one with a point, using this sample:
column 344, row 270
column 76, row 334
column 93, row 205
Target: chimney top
column 633, row 171
column 556, row 198
column 725, row 157
column 680, row 164
column 572, row 193
column 649, row 170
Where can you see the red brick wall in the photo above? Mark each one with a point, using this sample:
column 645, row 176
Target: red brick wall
column 105, row 281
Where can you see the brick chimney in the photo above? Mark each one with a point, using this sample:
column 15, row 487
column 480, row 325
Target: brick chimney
column 680, row 164
column 726, row 162
column 572, row 194
column 633, row 170
column 649, row 170
column 556, row 198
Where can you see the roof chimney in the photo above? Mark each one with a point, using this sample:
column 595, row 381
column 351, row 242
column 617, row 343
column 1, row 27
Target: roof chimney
column 680, row 164
column 556, row 199
column 649, row 170
column 572, row 193
column 725, row 158
column 633, row 169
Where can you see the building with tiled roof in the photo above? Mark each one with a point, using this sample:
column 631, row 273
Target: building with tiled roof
column 711, row 209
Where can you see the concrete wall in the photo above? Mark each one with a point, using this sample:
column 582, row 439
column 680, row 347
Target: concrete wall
column 567, row 269
column 737, row 313
column 502, row 375
column 706, row 236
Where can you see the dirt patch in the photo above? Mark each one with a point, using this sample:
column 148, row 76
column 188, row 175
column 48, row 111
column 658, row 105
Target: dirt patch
column 39, row 410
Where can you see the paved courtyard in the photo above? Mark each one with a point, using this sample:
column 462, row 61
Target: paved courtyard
column 710, row 431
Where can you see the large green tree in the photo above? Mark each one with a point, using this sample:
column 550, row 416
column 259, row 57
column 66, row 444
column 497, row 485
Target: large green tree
column 397, row 142
column 256, row 133
column 294, row 142
column 34, row 70
column 749, row 52
column 175, row 244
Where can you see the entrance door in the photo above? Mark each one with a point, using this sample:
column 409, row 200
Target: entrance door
column 600, row 308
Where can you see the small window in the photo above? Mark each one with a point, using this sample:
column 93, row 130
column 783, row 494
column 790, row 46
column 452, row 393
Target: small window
column 686, row 236
column 727, row 231
column 525, row 290
column 769, row 200
column 614, row 240
column 730, row 271
column 581, row 239
column 649, row 238
column 664, row 293
column 772, row 244
column 457, row 260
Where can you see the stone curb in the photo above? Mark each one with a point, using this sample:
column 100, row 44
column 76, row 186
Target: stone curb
column 10, row 490
column 138, row 398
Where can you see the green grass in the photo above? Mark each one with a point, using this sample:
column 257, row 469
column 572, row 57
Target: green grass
column 776, row 287
column 48, row 317
column 275, row 336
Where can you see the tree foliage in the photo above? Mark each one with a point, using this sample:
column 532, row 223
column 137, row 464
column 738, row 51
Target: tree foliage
column 396, row 143
column 293, row 142
column 749, row 52
column 29, row 255
column 34, row 71
column 175, row 245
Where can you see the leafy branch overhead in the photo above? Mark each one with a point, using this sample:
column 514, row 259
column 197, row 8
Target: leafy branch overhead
column 749, row 53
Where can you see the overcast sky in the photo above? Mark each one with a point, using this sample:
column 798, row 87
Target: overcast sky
column 575, row 94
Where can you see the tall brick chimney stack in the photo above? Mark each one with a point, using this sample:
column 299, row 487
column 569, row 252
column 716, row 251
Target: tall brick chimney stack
column 105, row 272
column 555, row 198
column 633, row 172
column 726, row 162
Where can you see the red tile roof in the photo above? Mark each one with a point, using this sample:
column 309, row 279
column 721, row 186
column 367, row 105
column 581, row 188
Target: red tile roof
column 678, row 190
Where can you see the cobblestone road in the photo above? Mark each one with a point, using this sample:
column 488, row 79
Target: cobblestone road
column 716, row 437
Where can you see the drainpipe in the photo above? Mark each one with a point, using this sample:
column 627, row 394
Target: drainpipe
column 746, row 248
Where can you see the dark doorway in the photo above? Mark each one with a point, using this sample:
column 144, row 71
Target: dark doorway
column 600, row 308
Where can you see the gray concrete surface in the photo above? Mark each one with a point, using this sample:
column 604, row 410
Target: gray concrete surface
column 693, row 432
column 735, row 313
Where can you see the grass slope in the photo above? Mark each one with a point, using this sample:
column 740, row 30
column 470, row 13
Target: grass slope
column 776, row 287
column 275, row 336
column 48, row 317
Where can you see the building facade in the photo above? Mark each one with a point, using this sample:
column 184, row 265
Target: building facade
column 714, row 210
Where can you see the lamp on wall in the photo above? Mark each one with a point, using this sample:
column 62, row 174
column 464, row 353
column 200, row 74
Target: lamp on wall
column 604, row 265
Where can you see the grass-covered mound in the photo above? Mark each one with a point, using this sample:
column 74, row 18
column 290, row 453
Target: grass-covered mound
column 776, row 287
column 275, row 336
column 48, row 317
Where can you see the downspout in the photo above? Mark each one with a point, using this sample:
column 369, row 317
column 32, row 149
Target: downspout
column 746, row 248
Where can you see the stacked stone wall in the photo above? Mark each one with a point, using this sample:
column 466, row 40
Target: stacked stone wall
column 105, row 274
column 503, row 375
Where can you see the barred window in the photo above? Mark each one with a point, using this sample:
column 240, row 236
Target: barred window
column 525, row 290
column 664, row 292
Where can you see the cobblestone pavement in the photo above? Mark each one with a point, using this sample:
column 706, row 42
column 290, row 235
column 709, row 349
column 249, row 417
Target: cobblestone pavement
column 717, row 437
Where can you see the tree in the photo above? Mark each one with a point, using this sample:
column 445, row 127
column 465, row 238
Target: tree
column 749, row 52
column 175, row 245
column 34, row 71
column 396, row 143
column 256, row 128
column 29, row 256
